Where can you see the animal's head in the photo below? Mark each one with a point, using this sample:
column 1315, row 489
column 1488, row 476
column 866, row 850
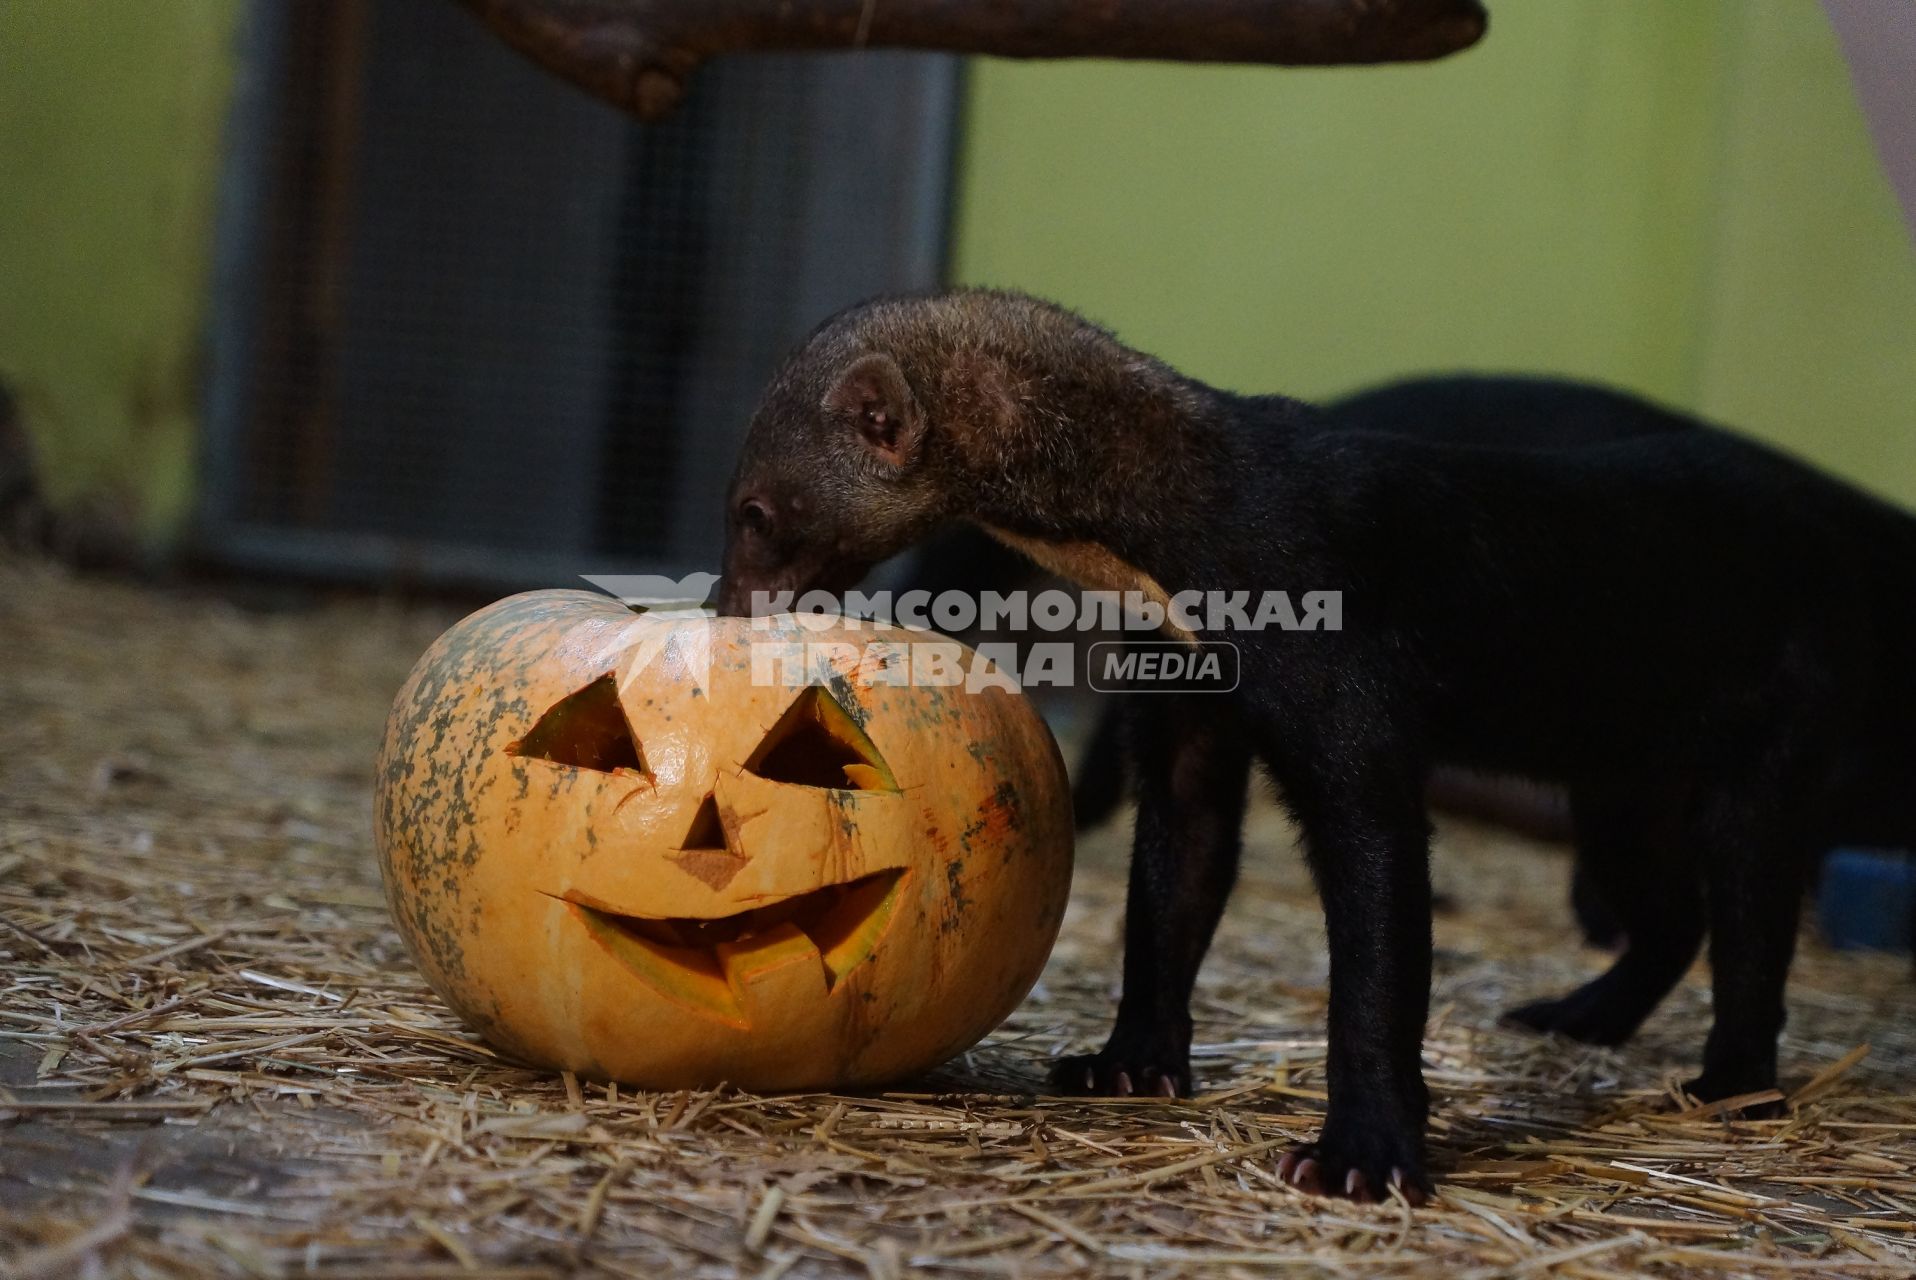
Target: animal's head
column 834, row 475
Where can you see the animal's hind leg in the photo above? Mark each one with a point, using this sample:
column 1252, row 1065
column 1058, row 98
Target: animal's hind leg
column 1756, row 860
column 1641, row 870
column 1591, row 905
column 1098, row 783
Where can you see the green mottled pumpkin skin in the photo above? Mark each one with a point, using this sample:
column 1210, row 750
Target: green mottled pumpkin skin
column 490, row 858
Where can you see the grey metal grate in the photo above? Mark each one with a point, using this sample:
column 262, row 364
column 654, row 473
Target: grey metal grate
column 472, row 325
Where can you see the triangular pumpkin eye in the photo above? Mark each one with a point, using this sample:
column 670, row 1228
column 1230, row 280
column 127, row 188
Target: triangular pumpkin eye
column 586, row 730
column 816, row 743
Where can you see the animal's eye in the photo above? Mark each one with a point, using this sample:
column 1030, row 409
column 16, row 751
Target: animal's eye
column 755, row 517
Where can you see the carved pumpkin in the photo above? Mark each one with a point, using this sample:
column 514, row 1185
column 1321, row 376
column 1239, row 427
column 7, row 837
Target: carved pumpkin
column 615, row 848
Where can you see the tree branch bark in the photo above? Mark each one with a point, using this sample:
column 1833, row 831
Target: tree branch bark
column 637, row 54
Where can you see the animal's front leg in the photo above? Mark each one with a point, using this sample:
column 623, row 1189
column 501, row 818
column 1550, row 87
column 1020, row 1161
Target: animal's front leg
column 1193, row 766
column 1369, row 846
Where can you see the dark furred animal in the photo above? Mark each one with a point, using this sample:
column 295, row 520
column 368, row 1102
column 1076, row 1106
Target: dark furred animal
column 1467, row 409
column 1707, row 642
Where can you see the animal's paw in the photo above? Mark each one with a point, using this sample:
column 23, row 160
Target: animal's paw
column 1362, row 1164
column 1582, row 1015
column 1121, row 1075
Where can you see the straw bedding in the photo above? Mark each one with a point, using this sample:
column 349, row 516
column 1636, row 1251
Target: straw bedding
column 216, row 1059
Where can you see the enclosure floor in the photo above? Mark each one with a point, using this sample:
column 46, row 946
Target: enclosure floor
column 216, row 1059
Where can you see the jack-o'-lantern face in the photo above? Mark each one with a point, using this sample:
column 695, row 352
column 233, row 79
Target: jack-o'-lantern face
column 802, row 785
column 617, row 847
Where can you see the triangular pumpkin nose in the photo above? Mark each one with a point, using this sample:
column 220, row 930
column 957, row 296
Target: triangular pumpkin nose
column 706, row 831
column 707, row 852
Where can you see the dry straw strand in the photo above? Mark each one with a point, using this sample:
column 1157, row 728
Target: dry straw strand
column 217, row 1060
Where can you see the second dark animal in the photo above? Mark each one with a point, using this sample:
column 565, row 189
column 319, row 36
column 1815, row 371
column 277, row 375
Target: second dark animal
column 1504, row 412
column 1705, row 641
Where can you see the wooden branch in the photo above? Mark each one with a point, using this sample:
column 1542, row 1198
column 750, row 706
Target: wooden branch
column 637, row 54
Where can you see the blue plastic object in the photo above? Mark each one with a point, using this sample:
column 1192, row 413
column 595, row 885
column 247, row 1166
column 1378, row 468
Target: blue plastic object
column 1867, row 896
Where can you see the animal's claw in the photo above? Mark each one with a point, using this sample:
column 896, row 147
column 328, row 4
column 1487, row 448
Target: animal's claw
column 1301, row 1172
column 1111, row 1075
column 1314, row 1171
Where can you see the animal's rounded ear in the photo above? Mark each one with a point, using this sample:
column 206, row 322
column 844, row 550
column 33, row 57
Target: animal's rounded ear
column 873, row 395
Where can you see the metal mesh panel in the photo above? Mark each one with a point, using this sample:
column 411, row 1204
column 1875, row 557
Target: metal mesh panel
column 476, row 325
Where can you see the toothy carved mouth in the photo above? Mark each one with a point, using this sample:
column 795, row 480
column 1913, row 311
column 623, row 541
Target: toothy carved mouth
column 705, row 964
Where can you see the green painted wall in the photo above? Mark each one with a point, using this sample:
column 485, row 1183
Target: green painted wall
column 1678, row 198
column 1811, row 332
column 110, row 121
